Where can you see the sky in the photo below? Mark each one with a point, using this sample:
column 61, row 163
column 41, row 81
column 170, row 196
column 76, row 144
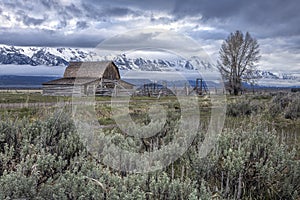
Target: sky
column 86, row 23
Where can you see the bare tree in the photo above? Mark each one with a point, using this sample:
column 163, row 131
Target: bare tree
column 238, row 57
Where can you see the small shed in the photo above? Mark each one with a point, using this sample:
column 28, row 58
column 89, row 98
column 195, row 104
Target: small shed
column 84, row 79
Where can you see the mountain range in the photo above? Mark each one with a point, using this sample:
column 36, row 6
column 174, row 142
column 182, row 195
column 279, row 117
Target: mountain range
column 62, row 56
column 50, row 56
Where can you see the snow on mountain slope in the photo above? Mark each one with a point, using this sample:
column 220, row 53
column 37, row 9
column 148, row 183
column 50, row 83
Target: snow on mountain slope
column 43, row 55
column 61, row 56
column 50, row 56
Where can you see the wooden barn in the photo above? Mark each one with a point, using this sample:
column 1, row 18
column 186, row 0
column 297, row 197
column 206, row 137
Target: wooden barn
column 85, row 79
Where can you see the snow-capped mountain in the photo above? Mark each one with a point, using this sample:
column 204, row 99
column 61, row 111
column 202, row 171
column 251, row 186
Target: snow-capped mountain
column 142, row 64
column 270, row 79
column 49, row 56
column 62, row 56
column 288, row 76
column 275, row 76
column 43, row 55
column 265, row 74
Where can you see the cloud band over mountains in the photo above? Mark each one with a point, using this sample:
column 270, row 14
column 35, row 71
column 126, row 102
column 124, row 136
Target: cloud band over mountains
column 85, row 23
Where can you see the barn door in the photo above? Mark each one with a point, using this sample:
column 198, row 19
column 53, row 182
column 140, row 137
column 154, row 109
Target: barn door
column 85, row 89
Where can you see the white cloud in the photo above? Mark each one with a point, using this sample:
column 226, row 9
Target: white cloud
column 66, row 2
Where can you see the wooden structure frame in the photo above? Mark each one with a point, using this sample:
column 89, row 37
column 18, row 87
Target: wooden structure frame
column 85, row 79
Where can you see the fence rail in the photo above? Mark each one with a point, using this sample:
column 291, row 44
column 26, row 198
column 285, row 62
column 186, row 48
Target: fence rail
column 32, row 105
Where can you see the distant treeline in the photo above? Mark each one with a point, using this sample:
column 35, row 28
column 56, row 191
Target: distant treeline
column 295, row 90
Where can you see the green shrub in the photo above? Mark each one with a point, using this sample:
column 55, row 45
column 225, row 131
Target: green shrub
column 293, row 109
column 278, row 104
column 240, row 108
column 244, row 108
column 285, row 105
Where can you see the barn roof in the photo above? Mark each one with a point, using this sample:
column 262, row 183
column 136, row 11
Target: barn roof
column 71, row 81
column 88, row 69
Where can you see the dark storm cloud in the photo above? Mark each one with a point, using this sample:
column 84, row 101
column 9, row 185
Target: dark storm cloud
column 163, row 20
column 63, row 18
column 27, row 20
column 76, row 11
column 92, row 12
column 266, row 18
column 81, row 25
column 9, row 4
column 48, row 38
column 47, row 3
column 102, row 12
column 33, row 21
column 135, row 4
column 117, row 11
column 208, row 9
column 269, row 17
column 209, row 34
column 263, row 19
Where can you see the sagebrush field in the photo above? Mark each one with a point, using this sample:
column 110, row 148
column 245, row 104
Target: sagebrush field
column 256, row 155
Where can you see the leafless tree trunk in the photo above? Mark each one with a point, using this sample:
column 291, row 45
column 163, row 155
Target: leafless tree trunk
column 239, row 194
column 227, row 184
column 182, row 172
column 172, row 171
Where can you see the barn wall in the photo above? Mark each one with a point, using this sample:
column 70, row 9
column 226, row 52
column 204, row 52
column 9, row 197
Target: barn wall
column 90, row 89
column 62, row 90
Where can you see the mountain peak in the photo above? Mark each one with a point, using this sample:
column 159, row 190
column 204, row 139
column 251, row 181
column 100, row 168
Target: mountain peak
column 61, row 56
